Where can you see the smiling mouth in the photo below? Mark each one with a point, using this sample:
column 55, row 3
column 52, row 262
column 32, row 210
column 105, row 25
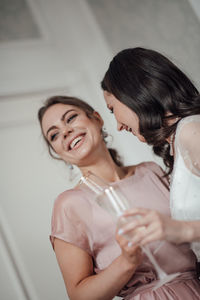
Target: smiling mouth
column 75, row 142
column 129, row 129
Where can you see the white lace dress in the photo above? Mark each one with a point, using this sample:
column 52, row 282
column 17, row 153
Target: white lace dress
column 185, row 181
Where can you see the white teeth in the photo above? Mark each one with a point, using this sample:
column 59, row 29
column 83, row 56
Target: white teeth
column 75, row 141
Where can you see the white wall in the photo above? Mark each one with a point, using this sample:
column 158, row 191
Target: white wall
column 59, row 63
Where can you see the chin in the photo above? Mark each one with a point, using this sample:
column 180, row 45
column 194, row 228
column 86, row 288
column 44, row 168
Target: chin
column 82, row 157
column 142, row 139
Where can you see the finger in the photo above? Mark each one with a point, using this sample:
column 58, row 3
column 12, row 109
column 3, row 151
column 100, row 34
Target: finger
column 151, row 233
column 134, row 224
column 136, row 211
column 138, row 236
column 149, row 224
column 152, row 217
column 149, row 239
column 121, row 240
column 132, row 249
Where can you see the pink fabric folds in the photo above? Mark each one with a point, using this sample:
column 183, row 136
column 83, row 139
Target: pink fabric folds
column 184, row 287
column 77, row 219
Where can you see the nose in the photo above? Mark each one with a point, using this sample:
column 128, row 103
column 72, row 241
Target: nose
column 66, row 131
column 119, row 126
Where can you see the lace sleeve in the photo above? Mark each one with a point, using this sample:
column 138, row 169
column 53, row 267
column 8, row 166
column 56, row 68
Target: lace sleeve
column 188, row 142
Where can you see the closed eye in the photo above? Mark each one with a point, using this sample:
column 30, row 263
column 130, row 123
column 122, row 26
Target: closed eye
column 71, row 118
column 53, row 136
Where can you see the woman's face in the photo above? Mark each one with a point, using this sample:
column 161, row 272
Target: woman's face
column 126, row 117
column 72, row 135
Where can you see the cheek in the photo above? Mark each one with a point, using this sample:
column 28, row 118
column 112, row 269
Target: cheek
column 94, row 133
column 136, row 125
column 134, row 121
column 118, row 115
column 124, row 115
column 56, row 148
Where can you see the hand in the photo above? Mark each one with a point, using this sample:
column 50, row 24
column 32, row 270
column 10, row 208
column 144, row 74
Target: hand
column 132, row 254
column 156, row 226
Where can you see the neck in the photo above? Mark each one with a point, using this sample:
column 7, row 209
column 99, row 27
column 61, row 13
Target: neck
column 104, row 167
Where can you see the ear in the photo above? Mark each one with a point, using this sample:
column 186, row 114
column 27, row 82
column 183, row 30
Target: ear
column 97, row 117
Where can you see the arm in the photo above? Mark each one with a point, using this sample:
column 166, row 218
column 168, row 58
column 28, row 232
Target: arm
column 160, row 227
column 77, row 269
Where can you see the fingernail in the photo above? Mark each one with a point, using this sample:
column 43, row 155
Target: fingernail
column 120, row 231
column 130, row 244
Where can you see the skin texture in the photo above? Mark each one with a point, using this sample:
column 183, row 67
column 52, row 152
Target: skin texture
column 61, row 124
column 125, row 117
column 158, row 226
column 64, row 130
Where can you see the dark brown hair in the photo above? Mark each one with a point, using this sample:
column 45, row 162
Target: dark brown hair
column 67, row 100
column 156, row 90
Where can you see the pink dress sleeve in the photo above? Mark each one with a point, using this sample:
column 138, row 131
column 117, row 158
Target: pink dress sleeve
column 71, row 220
column 158, row 172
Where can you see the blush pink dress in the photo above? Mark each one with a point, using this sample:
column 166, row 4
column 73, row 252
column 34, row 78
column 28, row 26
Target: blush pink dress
column 77, row 219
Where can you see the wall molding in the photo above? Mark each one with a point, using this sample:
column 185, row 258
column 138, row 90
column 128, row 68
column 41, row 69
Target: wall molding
column 15, row 267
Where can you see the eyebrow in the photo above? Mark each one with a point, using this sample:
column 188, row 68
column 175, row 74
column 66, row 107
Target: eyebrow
column 62, row 119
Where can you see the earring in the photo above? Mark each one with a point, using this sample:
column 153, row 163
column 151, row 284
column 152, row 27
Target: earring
column 71, row 173
column 70, row 166
column 104, row 133
column 171, row 151
column 171, row 141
